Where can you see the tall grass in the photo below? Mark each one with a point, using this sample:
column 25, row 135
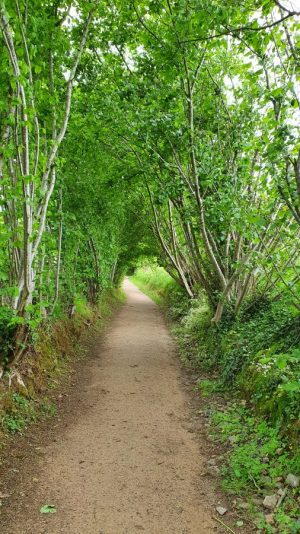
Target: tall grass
column 155, row 282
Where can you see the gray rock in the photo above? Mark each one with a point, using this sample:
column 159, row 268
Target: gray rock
column 221, row 510
column 292, row 481
column 270, row 501
column 212, row 461
column 232, row 439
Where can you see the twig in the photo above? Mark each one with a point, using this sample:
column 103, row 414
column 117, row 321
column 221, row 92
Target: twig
column 224, row 524
column 254, row 482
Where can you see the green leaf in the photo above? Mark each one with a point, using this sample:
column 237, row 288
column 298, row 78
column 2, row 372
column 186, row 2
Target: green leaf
column 281, row 362
column 291, row 387
column 48, row 509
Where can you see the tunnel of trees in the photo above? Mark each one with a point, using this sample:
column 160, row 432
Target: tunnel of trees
column 162, row 133
column 167, row 128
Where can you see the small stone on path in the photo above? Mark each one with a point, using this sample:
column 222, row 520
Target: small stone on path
column 221, row 510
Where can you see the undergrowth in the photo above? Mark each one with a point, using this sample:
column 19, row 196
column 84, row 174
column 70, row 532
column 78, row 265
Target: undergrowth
column 155, row 282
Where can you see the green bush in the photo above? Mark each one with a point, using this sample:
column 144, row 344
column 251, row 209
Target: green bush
column 257, row 356
column 273, row 326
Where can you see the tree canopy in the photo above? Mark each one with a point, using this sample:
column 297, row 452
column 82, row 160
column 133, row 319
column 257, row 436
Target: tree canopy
column 166, row 128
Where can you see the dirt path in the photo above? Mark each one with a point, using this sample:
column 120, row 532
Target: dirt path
column 127, row 463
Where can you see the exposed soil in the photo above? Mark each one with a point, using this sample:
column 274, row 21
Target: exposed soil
column 123, row 456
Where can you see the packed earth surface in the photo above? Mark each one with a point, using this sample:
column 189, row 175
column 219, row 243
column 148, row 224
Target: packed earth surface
column 125, row 459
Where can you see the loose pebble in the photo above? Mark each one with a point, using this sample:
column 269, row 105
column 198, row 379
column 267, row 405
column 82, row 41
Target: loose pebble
column 221, row 510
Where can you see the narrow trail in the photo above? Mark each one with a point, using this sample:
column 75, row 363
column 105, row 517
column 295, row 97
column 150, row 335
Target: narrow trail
column 127, row 462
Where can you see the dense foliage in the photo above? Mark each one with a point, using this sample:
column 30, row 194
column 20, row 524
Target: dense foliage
column 209, row 112
column 169, row 128
column 162, row 128
column 69, row 226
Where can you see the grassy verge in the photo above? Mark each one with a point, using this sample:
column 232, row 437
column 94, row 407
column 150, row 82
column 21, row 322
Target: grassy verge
column 155, row 282
column 26, row 394
column 251, row 367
